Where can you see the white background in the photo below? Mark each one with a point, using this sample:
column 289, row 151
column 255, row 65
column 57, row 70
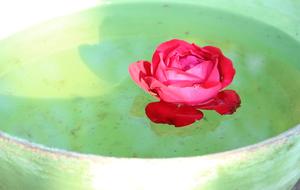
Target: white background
column 16, row 15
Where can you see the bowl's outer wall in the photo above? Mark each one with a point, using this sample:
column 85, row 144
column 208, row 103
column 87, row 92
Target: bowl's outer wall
column 272, row 165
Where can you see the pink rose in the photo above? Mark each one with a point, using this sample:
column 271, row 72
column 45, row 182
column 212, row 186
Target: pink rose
column 186, row 74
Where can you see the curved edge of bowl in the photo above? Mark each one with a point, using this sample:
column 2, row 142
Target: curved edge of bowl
column 272, row 164
column 38, row 148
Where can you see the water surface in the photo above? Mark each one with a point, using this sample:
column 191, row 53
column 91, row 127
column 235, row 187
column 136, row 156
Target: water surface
column 65, row 84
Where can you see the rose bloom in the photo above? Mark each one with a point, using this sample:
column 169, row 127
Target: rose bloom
column 184, row 76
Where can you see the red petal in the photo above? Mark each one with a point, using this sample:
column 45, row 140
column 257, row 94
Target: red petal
column 190, row 96
column 225, row 65
column 138, row 71
column 226, row 102
column 162, row 52
column 167, row 49
column 172, row 114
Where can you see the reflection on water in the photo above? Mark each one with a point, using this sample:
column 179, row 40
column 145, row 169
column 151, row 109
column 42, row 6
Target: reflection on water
column 82, row 99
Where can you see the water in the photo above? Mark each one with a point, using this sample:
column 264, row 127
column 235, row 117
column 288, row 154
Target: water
column 65, row 84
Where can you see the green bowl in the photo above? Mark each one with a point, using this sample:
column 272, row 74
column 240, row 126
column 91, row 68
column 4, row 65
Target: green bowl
column 71, row 117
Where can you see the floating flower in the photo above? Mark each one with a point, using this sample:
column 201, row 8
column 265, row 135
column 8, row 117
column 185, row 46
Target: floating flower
column 186, row 78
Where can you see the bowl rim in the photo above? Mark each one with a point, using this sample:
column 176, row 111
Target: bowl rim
column 36, row 148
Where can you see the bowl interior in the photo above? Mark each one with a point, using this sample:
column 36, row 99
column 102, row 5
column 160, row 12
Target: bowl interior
column 65, row 83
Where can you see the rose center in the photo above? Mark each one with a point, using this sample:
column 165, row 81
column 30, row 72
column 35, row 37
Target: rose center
column 188, row 62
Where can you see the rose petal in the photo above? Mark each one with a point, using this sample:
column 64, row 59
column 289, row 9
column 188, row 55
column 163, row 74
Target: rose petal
column 160, row 68
column 213, row 77
column 168, row 49
column 188, row 95
column 188, row 62
column 227, row 71
column 179, row 83
column 201, row 70
column 174, row 59
column 214, row 51
column 179, row 75
column 226, row 102
column 138, row 71
column 172, row 114
column 163, row 51
column 180, row 46
column 197, row 51
column 183, row 95
column 225, row 65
